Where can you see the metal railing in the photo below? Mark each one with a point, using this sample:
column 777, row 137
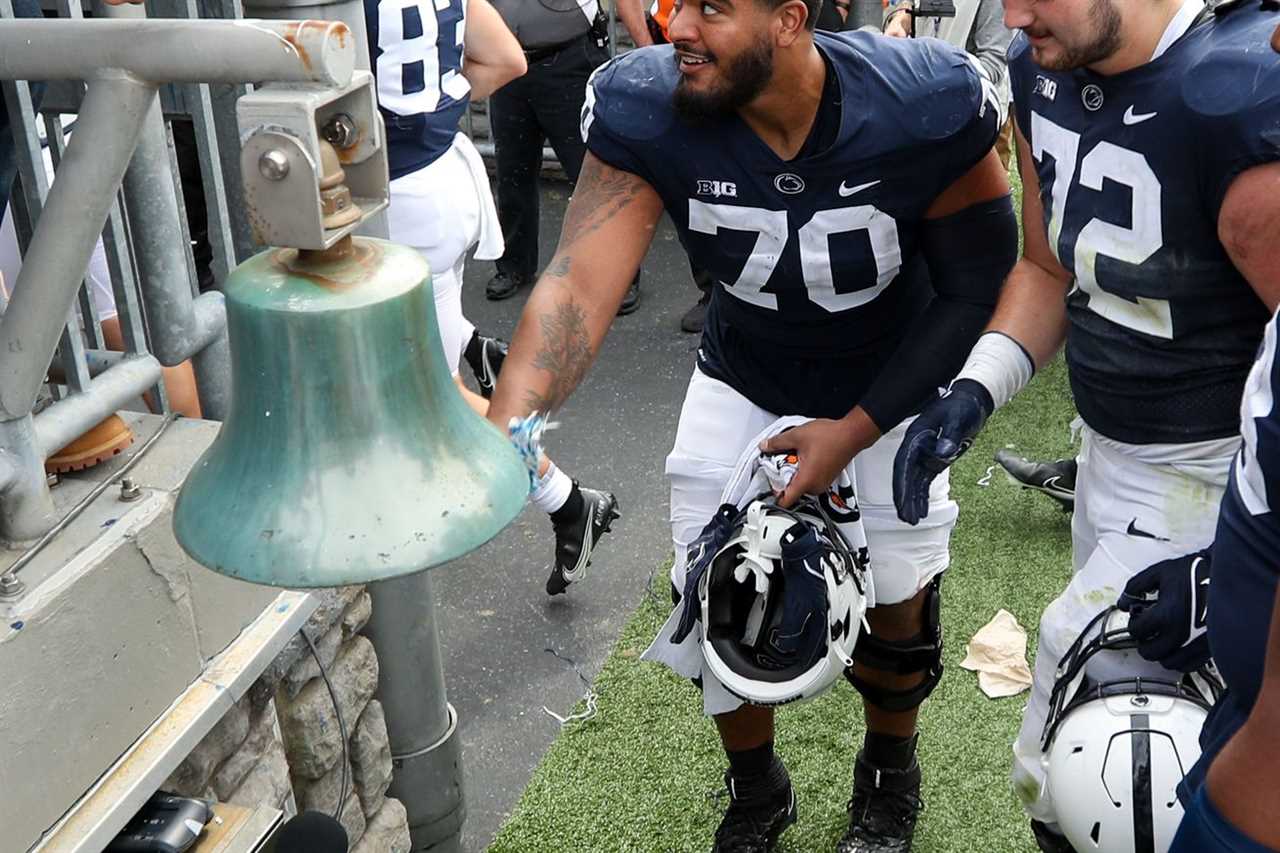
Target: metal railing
column 117, row 179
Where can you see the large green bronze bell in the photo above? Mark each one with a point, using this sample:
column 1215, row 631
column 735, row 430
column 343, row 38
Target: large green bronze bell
column 348, row 454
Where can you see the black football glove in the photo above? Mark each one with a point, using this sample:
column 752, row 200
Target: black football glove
column 935, row 439
column 1167, row 605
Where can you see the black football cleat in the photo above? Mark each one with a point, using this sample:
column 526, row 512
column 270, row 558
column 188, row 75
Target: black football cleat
column 485, row 355
column 1049, row 841
column 883, row 809
column 1056, row 479
column 578, row 536
column 760, row 809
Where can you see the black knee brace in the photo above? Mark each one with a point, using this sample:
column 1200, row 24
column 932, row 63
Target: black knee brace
column 921, row 653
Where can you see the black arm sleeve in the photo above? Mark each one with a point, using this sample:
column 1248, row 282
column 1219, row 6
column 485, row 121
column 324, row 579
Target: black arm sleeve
column 969, row 254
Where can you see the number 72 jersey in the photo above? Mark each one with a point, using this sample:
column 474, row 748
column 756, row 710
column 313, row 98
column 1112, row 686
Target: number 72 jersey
column 1133, row 169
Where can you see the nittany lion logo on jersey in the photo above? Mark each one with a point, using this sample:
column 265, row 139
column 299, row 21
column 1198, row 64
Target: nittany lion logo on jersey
column 789, row 184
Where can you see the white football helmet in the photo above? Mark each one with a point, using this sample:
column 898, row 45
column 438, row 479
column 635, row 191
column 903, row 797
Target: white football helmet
column 782, row 603
column 1115, row 751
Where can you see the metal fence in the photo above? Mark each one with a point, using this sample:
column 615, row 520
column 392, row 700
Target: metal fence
column 156, row 281
column 51, row 339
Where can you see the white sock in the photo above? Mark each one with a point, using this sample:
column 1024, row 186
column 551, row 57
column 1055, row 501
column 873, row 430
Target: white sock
column 553, row 490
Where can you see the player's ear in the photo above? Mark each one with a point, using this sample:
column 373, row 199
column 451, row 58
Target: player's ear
column 793, row 17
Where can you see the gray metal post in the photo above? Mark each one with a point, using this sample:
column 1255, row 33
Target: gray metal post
column 421, row 724
column 58, row 426
column 175, row 51
column 28, row 508
column 350, row 12
column 181, row 325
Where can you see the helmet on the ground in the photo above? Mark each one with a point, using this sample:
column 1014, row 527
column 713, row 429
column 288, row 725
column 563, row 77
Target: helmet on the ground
column 782, row 603
column 1115, row 751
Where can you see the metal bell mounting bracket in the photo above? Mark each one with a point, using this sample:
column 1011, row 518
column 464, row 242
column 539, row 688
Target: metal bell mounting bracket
column 296, row 195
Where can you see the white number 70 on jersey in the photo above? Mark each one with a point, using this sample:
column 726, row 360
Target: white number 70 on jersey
column 773, row 232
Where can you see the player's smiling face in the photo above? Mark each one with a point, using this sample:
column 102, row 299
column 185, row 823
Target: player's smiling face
column 1066, row 34
column 724, row 53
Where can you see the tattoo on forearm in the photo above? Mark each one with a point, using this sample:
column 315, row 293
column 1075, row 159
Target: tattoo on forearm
column 565, row 354
column 601, row 192
column 560, row 268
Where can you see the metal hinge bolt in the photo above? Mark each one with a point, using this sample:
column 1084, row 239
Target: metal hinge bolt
column 11, row 586
column 274, row 165
column 340, row 131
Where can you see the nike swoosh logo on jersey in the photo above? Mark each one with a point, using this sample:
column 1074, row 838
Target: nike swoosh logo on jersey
column 1134, row 530
column 845, row 192
column 1130, row 117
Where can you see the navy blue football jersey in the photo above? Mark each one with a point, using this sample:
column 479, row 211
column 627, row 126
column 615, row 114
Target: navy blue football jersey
column 415, row 48
column 817, row 259
column 1133, row 169
column 1246, row 557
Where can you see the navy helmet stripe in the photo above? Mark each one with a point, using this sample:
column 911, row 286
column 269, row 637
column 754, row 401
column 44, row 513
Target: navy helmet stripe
column 1144, row 832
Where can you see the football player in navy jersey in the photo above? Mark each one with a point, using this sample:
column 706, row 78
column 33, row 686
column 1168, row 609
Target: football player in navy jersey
column 843, row 192
column 1149, row 160
column 430, row 58
column 1238, row 808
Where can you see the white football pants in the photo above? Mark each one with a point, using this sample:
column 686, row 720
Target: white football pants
column 716, row 422
column 442, row 210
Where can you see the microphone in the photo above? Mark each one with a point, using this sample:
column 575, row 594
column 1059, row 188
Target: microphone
column 311, row 832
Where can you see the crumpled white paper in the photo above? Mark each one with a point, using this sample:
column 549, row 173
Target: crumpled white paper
column 998, row 653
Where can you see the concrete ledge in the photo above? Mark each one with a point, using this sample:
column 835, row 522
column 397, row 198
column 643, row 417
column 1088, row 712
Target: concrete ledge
column 104, row 810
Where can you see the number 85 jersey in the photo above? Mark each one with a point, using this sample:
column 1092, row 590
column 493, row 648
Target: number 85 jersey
column 416, row 50
column 1133, row 169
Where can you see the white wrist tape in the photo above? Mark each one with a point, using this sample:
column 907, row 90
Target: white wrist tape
column 999, row 364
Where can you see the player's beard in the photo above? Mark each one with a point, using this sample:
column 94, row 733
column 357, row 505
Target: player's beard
column 747, row 76
column 1105, row 19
